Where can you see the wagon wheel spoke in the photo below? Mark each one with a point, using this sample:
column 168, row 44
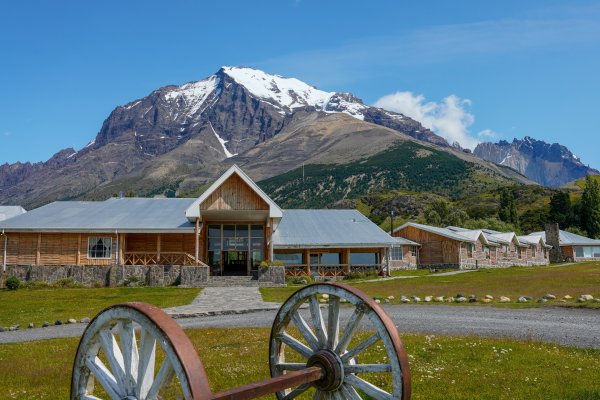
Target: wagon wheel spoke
column 349, row 392
column 366, row 368
column 333, row 322
column 295, row 345
column 147, row 360
column 113, row 356
column 130, row 354
column 368, row 388
column 370, row 341
column 297, row 392
column 304, row 329
column 163, row 378
column 105, row 378
column 351, row 328
column 318, row 322
column 291, row 366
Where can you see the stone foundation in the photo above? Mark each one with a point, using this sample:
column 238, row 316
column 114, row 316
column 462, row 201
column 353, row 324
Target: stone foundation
column 111, row 275
column 274, row 274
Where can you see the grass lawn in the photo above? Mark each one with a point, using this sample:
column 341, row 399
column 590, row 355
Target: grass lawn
column 573, row 280
column 442, row 367
column 23, row 306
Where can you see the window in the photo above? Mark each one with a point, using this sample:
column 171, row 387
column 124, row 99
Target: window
column 413, row 251
column 99, row 247
column 470, row 250
column 505, row 250
column 533, row 251
column 289, row 258
column 545, row 252
column 487, row 252
column 364, row 258
column 587, row 252
column 519, row 252
column 397, row 253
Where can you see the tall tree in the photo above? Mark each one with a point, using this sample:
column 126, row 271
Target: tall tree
column 590, row 207
column 561, row 210
column 508, row 207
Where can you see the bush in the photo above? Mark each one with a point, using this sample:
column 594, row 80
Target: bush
column 360, row 275
column 299, row 280
column 133, row 281
column 66, row 283
column 13, row 283
column 36, row 285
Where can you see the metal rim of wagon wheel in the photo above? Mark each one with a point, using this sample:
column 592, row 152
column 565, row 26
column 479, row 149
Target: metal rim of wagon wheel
column 131, row 370
column 326, row 348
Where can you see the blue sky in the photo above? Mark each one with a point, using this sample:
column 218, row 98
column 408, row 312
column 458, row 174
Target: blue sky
column 472, row 70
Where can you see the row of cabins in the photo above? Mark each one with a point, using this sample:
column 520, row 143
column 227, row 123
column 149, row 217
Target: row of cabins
column 234, row 227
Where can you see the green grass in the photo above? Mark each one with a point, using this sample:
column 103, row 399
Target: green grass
column 38, row 305
column 442, row 367
column 573, row 280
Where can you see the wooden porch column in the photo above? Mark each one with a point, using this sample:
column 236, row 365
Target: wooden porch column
column 79, row 250
column 39, row 245
column 121, row 247
column 307, row 261
column 346, row 260
column 197, row 241
column 158, row 242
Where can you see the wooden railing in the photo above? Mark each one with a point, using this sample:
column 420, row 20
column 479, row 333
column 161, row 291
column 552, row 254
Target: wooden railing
column 164, row 258
column 297, row 270
column 333, row 270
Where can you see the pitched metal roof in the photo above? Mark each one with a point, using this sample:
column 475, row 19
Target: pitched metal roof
column 328, row 228
column 439, row 231
column 7, row 212
column 404, row 242
column 127, row 215
column 570, row 239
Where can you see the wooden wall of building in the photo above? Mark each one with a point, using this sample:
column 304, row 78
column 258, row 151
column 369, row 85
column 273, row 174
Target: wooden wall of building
column 234, row 194
column 169, row 242
column 435, row 249
column 53, row 249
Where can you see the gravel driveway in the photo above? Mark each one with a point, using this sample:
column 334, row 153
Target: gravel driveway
column 573, row 327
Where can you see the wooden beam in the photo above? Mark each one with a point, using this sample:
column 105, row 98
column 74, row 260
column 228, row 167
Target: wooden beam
column 197, row 241
column 39, row 245
column 79, row 250
column 158, row 242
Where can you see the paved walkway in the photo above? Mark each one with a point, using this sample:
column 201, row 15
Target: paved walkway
column 224, row 300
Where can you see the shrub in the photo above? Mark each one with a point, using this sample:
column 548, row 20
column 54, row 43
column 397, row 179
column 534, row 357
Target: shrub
column 13, row 283
column 66, row 283
column 299, row 280
column 360, row 275
column 36, row 285
column 134, row 281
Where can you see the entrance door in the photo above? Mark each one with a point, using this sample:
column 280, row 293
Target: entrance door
column 235, row 262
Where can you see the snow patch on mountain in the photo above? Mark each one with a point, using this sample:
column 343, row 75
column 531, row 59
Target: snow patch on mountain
column 228, row 154
column 193, row 94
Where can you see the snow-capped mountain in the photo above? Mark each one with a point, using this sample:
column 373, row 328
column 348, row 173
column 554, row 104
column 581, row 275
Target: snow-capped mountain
column 549, row 164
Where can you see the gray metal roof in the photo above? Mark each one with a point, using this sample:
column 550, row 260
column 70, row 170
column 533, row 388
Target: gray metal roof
column 404, row 242
column 122, row 214
column 328, row 228
column 570, row 239
column 7, row 212
column 439, row 231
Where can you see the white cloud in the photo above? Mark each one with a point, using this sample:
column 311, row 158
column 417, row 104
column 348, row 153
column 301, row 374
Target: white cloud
column 449, row 118
column 487, row 134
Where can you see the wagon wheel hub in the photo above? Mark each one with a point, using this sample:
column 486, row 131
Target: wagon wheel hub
column 332, row 367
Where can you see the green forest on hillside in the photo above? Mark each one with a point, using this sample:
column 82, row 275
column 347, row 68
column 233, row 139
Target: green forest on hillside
column 418, row 183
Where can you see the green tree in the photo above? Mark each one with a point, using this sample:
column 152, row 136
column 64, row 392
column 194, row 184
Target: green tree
column 508, row 207
column 561, row 210
column 590, row 208
column 441, row 212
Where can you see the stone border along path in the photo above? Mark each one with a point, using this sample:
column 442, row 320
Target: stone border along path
column 223, row 300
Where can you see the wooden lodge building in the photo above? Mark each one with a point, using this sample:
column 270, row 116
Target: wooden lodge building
column 454, row 247
column 229, row 230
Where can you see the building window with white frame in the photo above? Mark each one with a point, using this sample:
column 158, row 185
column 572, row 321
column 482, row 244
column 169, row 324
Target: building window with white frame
column 414, row 250
column 100, row 247
column 397, row 253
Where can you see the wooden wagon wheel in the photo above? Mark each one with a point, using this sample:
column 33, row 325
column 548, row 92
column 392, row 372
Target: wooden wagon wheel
column 325, row 342
column 132, row 371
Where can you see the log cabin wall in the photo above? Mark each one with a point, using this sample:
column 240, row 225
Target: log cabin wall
column 54, row 249
column 234, row 194
column 435, row 250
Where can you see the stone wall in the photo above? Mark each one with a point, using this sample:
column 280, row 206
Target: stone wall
column 111, row 275
column 274, row 274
